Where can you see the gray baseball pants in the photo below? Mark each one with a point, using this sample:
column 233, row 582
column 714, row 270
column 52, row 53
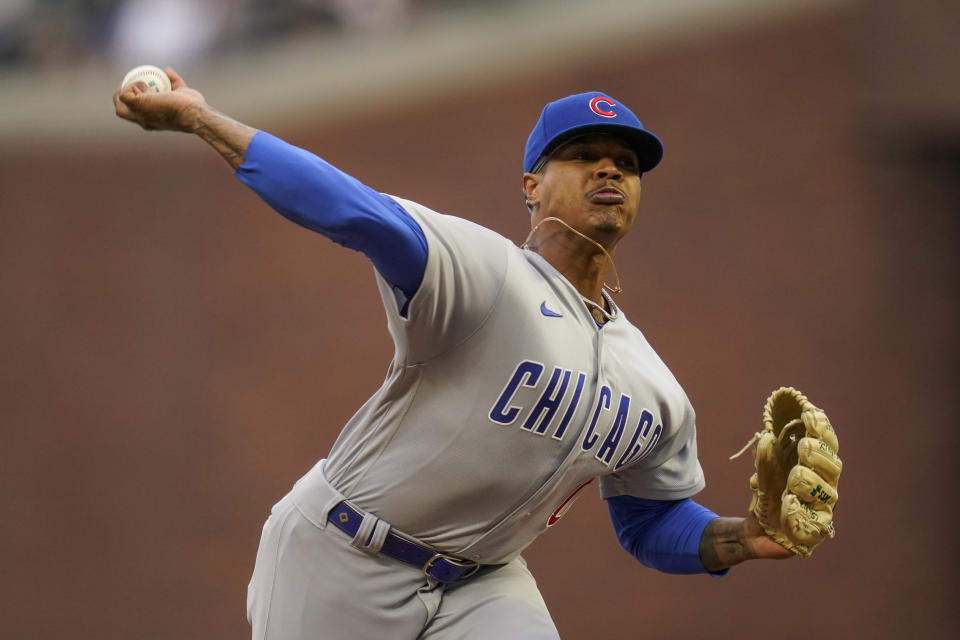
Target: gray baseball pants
column 309, row 582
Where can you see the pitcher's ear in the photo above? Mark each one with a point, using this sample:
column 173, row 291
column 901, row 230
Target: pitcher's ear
column 531, row 185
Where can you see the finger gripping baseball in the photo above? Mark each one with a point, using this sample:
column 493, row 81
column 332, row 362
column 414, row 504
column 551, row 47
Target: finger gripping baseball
column 797, row 471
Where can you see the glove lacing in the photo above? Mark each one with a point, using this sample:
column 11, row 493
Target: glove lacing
column 749, row 444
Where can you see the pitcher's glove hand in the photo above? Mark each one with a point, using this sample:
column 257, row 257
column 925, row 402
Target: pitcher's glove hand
column 795, row 486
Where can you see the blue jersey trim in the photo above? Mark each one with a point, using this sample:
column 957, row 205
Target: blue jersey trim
column 662, row 534
column 314, row 194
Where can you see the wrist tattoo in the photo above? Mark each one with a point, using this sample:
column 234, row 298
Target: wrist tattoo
column 722, row 544
column 227, row 136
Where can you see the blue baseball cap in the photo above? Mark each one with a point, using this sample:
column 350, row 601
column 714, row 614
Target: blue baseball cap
column 583, row 114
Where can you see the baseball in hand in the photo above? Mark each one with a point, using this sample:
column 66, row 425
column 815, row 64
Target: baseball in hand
column 154, row 77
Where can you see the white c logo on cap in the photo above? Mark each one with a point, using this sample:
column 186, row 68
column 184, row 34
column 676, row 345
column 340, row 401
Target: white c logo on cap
column 595, row 107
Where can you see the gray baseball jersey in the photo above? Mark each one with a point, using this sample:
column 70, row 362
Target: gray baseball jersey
column 503, row 399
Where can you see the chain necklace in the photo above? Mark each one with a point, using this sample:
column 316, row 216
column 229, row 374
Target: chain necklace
column 616, row 288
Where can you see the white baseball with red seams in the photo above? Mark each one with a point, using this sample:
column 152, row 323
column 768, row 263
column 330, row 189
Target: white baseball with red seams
column 154, row 77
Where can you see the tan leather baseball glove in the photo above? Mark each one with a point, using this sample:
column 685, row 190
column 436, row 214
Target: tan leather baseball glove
column 797, row 471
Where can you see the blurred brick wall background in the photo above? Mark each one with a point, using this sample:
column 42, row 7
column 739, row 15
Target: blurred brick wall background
column 175, row 355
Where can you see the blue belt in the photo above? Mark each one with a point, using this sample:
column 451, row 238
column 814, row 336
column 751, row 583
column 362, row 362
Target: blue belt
column 440, row 567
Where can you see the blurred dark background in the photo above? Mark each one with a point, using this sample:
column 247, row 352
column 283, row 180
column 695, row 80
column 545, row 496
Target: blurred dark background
column 175, row 355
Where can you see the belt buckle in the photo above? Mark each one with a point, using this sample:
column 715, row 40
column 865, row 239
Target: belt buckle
column 454, row 561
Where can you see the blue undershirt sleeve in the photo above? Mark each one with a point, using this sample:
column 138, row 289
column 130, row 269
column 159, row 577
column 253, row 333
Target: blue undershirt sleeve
column 314, row 194
column 662, row 534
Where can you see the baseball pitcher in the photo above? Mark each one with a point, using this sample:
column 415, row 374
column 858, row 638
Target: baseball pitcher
column 516, row 381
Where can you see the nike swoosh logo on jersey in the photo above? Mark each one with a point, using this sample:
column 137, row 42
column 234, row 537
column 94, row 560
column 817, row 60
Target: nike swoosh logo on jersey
column 549, row 312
